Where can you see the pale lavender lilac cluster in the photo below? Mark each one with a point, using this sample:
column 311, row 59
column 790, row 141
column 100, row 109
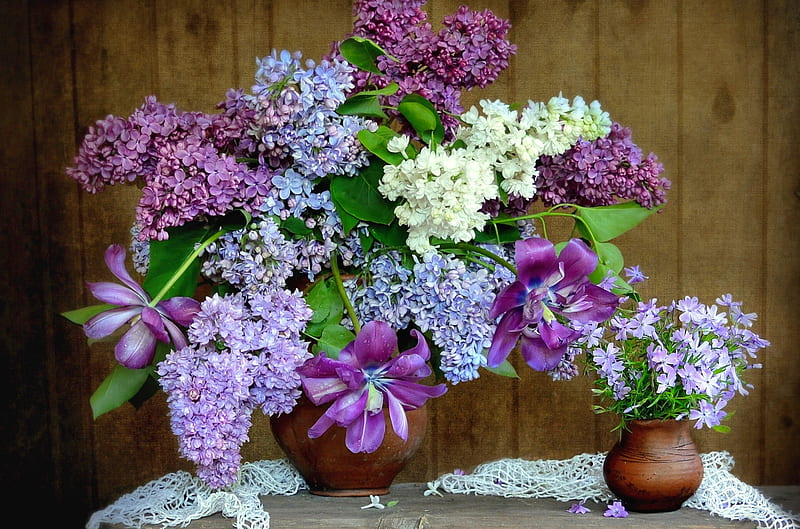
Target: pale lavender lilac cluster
column 602, row 172
column 692, row 355
column 244, row 353
column 441, row 295
column 470, row 50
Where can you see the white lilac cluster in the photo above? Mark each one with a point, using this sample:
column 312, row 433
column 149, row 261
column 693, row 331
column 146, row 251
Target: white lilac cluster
column 443, row 190
column 244, row 354
column 513, row 141
column 442, row 193
column 443, row 297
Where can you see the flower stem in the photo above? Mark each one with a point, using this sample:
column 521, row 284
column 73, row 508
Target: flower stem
column 345, row 299
column 184, row 266
column 486, row 253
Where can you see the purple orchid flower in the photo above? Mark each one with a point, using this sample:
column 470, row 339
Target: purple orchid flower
column 137, row 346
column 547, row 286
column 365, row 378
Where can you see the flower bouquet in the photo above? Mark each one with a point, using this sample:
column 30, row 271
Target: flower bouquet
column 658, row 367
column 344, row 210
column 684, row 360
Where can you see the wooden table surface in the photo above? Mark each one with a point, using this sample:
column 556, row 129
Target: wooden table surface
column 414, row 510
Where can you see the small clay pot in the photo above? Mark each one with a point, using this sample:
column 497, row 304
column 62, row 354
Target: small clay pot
column 655, row 466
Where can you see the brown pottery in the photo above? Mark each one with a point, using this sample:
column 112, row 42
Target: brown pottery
column 655, row 466
column 329, row 468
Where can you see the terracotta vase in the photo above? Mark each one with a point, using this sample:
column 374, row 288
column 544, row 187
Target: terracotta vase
column 329, row 468
column 655, row 466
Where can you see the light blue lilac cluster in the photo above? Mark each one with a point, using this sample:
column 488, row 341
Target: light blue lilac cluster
column 296, row 132
column 685, row 359
column 469, row 50
column 442, row 296
column 243, row 354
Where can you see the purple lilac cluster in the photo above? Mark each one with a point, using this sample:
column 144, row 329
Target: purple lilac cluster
column 693, row 355
column 442, row 296
column 470, row 50
column 244, row 354
column 602, row 172
column 177, row 159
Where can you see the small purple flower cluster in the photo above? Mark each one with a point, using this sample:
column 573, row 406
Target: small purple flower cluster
column 184, row 173
column 470, row 50
column 441, row 295
column 691, row 357
column 602, row 172
column 244, row 354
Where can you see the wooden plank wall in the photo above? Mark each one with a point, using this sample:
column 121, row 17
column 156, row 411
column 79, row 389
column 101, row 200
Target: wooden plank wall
column 710, row 87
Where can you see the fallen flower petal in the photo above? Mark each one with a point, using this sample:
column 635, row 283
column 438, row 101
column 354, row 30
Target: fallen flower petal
column 616, row 510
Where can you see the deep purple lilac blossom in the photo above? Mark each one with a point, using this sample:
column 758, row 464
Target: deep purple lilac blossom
column 471, row 49
column 148, row 322
column 366, row 378
column 549, row 287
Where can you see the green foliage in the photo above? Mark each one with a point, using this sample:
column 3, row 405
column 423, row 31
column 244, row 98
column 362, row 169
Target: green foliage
column 334, row 338
column 367, row 103
column 118, row 387
column 325, row 301
column 81, row 316
column 422, row 115
column 505, row 369
column 377, row 142
column 359, row 196
column 362, row 53
column 609, row 222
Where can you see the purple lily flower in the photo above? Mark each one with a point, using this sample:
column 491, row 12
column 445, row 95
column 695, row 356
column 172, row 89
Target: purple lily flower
column 364, row 379
column 137, row 346
column 547, row 287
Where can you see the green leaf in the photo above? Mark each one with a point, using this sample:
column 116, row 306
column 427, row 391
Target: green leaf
column 325, row 301
column 367, row 103
column 376, row 142
column 359, row 195
column 504, row 370
column 164, row 255
column 120, row 386
column 422, row 115
column 296, row 226
column 610, row 256
column 362, row 53
column 348, row 221
column 498, row 234
column 334, row 338
column 362, row 105
column 392, row 235
column 609, row 222
column 81, row 316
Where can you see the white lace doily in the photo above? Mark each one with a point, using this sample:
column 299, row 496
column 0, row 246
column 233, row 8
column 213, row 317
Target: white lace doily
column 178, row 498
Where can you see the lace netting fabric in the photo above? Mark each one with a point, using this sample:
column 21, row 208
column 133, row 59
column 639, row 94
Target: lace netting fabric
column 176, row 499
